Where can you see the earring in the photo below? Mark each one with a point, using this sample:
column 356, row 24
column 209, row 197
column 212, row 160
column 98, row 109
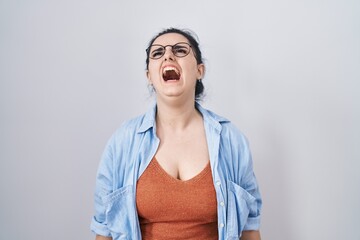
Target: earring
column 151, row 87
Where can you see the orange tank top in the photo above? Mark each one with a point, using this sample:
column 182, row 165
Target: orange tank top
column 170, row 208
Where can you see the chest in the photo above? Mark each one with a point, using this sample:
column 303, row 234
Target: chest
column 183, row 156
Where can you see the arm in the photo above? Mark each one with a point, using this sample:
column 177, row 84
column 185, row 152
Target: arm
column 102, row 188
column 249, row 183
column 250, row 235
column 98, row 237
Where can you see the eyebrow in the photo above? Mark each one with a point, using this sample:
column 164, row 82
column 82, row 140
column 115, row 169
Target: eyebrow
column 158, row 47
column 179, row 46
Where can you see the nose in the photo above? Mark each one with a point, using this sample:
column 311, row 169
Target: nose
column 169, row 55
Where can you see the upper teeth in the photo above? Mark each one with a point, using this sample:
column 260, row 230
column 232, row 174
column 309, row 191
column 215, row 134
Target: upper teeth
column 169, row 69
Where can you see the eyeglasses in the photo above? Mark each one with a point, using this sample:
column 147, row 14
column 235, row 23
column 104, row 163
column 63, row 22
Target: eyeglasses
column 180, row 49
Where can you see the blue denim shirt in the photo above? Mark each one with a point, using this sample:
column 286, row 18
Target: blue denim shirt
column 133, row 146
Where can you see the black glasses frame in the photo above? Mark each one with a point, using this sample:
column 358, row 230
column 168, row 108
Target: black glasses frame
column 173, row 50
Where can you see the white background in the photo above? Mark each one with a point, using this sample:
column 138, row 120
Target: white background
column 285, row 72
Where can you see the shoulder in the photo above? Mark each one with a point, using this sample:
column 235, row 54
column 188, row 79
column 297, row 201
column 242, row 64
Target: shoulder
column 210, row 115
column 226, row 128
column 231, row 130
column 128, row 128
column 132, row 124
column 232, row 135
column 139, row 124
column 122, row 141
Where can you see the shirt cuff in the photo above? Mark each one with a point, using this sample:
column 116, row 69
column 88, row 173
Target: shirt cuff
column 99, row 228
column 253, row 223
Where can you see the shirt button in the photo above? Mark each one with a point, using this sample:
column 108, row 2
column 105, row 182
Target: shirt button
column 218, row 183
column 222, row 225
column 222, row 203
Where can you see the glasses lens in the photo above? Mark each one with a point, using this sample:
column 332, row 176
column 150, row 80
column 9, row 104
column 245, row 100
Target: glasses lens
column 156, row 51
column 181, row 49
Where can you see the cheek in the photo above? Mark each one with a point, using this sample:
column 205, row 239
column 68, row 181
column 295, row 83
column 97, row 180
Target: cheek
column 153, row 70
column 192, row 71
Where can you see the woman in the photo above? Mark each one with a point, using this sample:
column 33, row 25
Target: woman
column 179, row 171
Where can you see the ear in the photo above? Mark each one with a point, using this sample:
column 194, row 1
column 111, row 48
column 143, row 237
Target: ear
column 148, row 76
column 201, row 71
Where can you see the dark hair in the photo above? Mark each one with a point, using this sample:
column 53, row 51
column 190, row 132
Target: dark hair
column 199, row 88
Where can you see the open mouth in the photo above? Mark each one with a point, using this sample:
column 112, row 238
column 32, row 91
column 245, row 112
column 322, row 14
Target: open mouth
column 170, row 73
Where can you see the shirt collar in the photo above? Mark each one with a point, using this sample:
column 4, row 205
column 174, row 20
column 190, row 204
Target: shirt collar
column 209, row 117
column 148, row 120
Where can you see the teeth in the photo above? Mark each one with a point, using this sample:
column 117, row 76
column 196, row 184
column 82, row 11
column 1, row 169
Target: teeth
column 170, row 69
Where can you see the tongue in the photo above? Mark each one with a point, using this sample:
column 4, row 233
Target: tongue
column 171, row 75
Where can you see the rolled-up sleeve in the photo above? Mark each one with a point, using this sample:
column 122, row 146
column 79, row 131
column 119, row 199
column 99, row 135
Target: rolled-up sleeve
column 249, row 183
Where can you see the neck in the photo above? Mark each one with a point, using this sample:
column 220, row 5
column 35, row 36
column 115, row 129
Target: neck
column 176, row 116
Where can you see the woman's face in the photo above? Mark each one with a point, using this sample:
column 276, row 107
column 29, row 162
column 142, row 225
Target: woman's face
column 174, row 77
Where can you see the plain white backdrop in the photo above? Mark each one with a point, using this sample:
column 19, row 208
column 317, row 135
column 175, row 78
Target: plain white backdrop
column 285, row 72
